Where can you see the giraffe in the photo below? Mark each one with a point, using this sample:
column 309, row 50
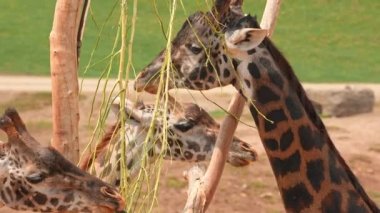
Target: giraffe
column 192, row 136
column 37, row 178
column 311, row 174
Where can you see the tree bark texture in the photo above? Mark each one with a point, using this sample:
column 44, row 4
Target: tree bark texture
column 64, row 78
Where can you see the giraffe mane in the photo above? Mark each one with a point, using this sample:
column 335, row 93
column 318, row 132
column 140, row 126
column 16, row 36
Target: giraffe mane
column 288, row 72
column 89, row 157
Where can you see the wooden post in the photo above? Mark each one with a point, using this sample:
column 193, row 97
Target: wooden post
column 64, row 76
column 208, row 184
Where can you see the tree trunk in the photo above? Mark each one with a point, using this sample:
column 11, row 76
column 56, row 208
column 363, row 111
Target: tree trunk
column 63, row 65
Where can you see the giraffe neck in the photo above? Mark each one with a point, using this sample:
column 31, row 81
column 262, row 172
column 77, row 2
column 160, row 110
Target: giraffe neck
column 310, row 172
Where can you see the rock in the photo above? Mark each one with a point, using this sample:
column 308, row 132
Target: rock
column 343, row 102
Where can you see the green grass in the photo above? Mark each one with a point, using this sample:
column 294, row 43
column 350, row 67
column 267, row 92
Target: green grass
column 175, row 183
column 324, row 40
column 218, row 113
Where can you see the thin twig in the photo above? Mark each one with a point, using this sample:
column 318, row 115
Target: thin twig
column 82, row 25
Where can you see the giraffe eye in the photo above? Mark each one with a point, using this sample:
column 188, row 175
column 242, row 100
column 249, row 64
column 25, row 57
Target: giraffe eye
column 194, row 48
column 184, row 125
column 36, row 177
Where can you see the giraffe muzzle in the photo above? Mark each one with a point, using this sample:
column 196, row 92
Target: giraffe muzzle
column 119, row 203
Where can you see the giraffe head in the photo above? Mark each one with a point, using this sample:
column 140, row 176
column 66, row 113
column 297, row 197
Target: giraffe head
column 198, row 55
column 39, row 178
column 192, row 134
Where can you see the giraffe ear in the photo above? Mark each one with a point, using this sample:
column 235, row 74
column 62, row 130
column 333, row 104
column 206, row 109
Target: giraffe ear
column 245, row 39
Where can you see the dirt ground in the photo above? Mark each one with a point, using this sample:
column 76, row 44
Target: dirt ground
column 248, row 189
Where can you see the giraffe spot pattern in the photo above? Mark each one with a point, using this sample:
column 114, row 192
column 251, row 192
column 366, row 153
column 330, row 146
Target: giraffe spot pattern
column 235, row 63
column 251, row 51
column 209, row 146
column 295, row 111
column 217, row 46
column 225, row 58
column 271, row 144
column 309, row 139
column 179, row 143
column 198, row 85
column 226, row 73
column 201, row 157
column 177, row 152
column 40, row 198
column 188, row 155
column 276, row 78
column 273, row 74
column 130, row 163
column 254, row 114
column 54, row 201
column 254, row 70
column 29, row 203
column 193, row 145
column 62, row 208
column 193, row 75
column 203, row 73
column 275, row 116
column 69, row 198
column 247, row 83
column 286, row 140
column 233, row 81
column 211, row 79
column 332, row 202
column 283, row 166
column 337, row 174
column 297, row 198
column 353, row 206
column 265, row 95
column 315, row 174
column 170, row 142
column 18, row 193
column 23, row 190
column 211, row 68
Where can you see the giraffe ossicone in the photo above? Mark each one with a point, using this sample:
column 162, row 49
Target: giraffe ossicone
column 191, row 137
column 311, row 174
column 37, row 178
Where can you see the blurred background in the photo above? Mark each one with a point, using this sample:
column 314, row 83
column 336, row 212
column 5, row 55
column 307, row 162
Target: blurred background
column 324, row 40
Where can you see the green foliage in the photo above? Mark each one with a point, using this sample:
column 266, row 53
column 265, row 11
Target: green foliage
column 175, row 183
column 218, row 113
column 324, row 40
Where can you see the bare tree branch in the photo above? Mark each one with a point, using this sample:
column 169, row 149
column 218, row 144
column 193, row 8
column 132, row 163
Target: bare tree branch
column 196, row 196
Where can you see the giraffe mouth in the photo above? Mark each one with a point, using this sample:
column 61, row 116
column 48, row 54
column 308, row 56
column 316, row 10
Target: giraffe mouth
column 132, row 114
column 147, row 81
column 117, row 203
